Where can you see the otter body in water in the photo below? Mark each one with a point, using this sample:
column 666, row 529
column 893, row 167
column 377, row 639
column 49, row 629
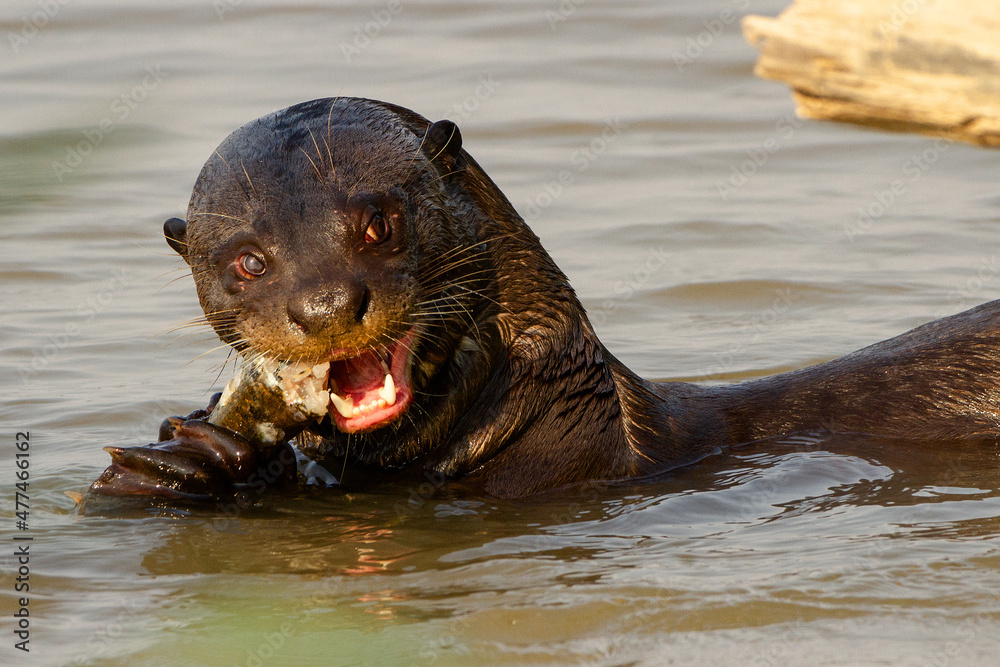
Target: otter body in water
column 356, row 232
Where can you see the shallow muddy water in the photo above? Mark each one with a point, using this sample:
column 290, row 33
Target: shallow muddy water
column 712, row 235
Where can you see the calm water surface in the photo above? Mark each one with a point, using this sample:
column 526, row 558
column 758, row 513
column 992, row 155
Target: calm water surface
column 712, row 236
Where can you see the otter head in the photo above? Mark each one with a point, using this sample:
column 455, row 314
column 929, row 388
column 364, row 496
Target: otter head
column 328, row 232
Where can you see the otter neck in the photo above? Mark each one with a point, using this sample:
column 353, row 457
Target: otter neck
column 555, row 393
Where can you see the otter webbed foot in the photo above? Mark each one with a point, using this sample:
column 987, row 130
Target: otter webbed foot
column 195, row 462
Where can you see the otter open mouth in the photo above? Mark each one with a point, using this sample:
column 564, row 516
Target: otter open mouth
column 369, row 390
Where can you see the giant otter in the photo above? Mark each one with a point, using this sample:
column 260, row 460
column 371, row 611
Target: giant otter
column 356, row 232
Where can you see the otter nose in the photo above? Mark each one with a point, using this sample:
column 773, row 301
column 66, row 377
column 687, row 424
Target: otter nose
column 332, row 308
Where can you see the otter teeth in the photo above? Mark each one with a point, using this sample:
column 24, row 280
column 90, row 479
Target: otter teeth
column 345, row 404
column 388, row 390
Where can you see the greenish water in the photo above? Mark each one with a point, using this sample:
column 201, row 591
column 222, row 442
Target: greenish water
column 710, row 233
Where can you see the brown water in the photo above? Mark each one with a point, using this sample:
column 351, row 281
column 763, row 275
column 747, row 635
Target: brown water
column 801, row 551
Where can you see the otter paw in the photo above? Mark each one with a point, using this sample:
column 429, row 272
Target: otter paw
column 170, row 424
column 199, row 462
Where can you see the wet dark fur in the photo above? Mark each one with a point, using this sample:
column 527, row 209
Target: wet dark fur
column 517, row 394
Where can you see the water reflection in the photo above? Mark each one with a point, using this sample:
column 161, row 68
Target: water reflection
column 890, row 487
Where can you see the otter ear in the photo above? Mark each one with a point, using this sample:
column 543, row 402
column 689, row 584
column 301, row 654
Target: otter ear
column 175, row 230
column 442, row 140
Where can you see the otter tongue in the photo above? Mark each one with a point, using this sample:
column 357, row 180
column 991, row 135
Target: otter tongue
column 359, row 374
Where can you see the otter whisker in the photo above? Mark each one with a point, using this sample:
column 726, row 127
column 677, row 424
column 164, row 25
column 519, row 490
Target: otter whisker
column 433, row 266
column 318, row 174
column 442, row 306
column 440, row 177
column 188, row 340
column 238, row 183
column 223, row 215
column 329, row 153
column 441, row 289
column 442, row 313
column 458, row 251
column 428, row 394
column 446, row 315
column 208, row 352
column 430, row 281
column 347, row 450
column 200, row 275
column 245, row 173
column 222, row 368
column 458, row 289
column 195, row 323
column 480, row 295
column 197, row 327
column 450, row 301
column 166, row 273
column 319, row 154
column 425, row 334
column 256, row 356
column 170, row 282
column 221, row 311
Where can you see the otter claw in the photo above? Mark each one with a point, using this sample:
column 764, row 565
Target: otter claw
column 199, row 462
column 169, row 465
column 167, row 428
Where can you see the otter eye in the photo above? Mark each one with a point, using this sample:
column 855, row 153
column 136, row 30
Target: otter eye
column 377, row 229
column 250, row 265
